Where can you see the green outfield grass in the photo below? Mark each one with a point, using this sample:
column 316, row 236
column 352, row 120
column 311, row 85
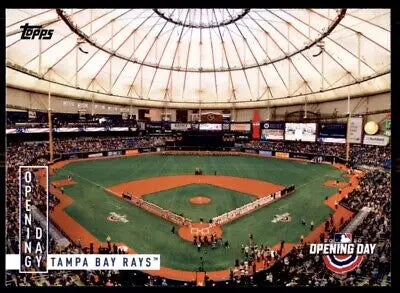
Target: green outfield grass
column 147, row 233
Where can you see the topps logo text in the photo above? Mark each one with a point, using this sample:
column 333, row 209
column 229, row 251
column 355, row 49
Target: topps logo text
column 30, row 32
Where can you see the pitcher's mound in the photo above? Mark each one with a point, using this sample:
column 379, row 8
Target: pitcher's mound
column 200, row 200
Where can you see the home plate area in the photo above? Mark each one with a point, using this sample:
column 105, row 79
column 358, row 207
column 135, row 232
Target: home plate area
column 200, row 230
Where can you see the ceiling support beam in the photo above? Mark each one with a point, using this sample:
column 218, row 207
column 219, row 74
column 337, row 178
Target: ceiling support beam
column 226, row 56
column 76, row 65
column 283, row 52
column 112, row 46
column 98, row 50
column 147, row 53
column 301, row 53
column 187, row 59
column 159, row 61
column 40, row 58
column 353, row 30
column 334, row 59
column 134, row 47
column 178, row 43
column 265, row 50
column 254, row 57
column 213, row 58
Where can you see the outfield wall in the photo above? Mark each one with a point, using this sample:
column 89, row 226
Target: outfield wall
column 204, row 151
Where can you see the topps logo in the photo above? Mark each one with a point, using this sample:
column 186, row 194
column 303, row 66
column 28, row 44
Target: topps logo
column 29, row 32
column 341, row 254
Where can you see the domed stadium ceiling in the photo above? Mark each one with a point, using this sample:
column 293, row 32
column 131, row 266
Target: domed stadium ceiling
column 202, row 57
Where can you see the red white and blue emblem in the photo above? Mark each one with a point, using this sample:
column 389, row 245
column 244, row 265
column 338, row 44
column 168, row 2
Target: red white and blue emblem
column 342, row 263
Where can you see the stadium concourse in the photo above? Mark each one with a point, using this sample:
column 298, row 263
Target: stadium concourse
column 294, row 267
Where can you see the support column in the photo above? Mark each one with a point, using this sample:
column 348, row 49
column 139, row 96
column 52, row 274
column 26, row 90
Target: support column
column 112, row 49
column 50, row 125
column 268, row 105
column 288, row 48
column 348, row 123
column 40, row 58
column 200, row 85
column 359, row 53
column 322, row 68
column 91, row 22
column 76, row 65
column 92, row 101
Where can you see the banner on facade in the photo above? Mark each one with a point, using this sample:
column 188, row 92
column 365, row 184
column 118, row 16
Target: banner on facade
column 354, row 129
column 380, row 140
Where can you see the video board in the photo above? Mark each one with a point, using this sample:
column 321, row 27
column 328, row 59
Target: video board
column 300, row 131
column 332, row 132
column 272, row 130
column 211, row 126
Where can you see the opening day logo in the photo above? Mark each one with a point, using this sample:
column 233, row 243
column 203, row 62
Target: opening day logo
column 342, row 254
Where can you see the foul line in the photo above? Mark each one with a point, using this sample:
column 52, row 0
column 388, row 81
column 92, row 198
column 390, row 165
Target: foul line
column 98, row 185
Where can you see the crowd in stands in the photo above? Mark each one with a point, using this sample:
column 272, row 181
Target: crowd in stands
column 359, row 153
column 95, row 144
column 297, row 268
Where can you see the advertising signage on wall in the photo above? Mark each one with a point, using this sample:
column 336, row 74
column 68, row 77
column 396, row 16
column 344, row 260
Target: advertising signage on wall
column 265, row 153
column 281, row 155
column 180, row 126
column 355, row 128
column 379, row 140
column 387, row 124
column 155, row 127
column 240, row 127
column 333, row 132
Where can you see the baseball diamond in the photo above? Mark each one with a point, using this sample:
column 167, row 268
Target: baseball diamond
column 98, row 194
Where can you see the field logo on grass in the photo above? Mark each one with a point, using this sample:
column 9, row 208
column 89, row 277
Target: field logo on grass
column 342, row 254
column 285, row 218
column 114, row 217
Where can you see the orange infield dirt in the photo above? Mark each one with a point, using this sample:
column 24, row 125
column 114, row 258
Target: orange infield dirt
column 332, row 183
column 200, row 200
column 64, row 182
column 78, row 233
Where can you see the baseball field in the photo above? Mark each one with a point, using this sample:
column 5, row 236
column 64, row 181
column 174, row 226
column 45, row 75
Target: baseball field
column 92, row 204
